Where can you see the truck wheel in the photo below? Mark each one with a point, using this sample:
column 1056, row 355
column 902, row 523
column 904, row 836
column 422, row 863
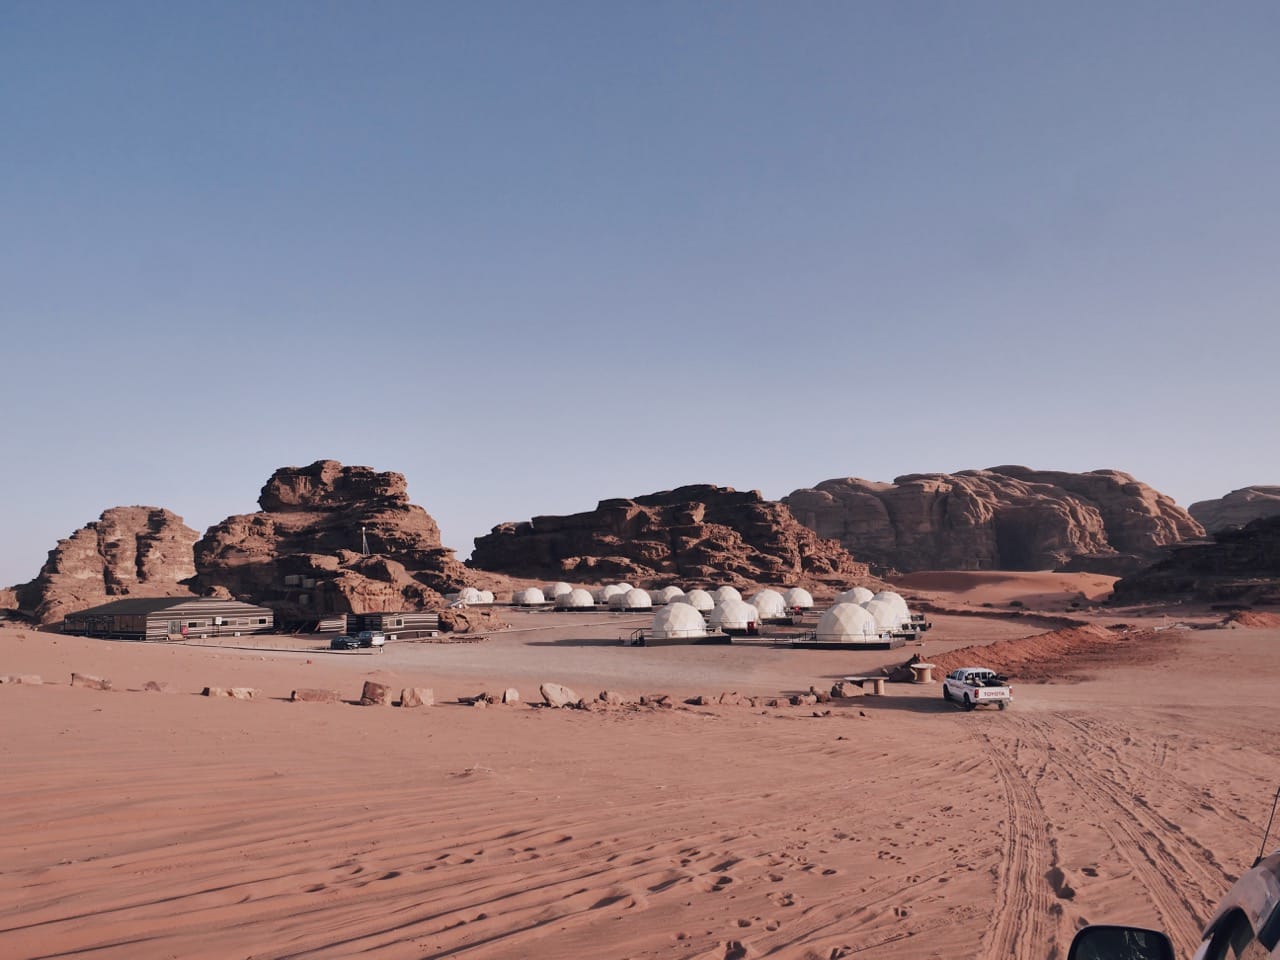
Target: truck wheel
column 968, row 704
column 946, row 693
column 1004, row 704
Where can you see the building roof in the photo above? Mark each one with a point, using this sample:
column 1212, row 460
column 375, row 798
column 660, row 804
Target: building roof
column 143, row 606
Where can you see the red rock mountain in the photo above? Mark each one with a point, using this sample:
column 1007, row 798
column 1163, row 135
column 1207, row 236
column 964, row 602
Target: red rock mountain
column 1002, row 518
column 127, row 552
column 302, row 554
column 693, row 534
column 1240, row 565
column 1237, row 508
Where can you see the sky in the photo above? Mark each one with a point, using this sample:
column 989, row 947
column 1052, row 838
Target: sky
column 534, row 255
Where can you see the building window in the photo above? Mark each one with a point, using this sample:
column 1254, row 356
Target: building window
column 262, row 619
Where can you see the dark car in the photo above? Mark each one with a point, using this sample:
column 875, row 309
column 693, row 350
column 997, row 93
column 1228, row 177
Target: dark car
column 345, row 643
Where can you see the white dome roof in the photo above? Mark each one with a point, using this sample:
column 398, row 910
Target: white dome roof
column 721, row 594
column 855, row 595
column 677, row 620
column 670, row 593
column 624, row 586
column 470, row 595
column 486, row 596
column 575, row 599
column 554, row 590
column 888, row 596
column 636, row 599
column 769, row 604
column 610, row 590
column 528, row 597
column 798, row 597
column 847, row 622
column 886, row 614
column 733, row 615
column 699, row 600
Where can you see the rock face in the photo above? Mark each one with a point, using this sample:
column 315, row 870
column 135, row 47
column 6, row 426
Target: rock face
column 1241, row 565
column 302, row 553
column 128, row 551
column 694, row 533
column 1003, row 518
column 1237, row 508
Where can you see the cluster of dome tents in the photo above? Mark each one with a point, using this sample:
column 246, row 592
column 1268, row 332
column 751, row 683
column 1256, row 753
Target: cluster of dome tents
column 858, row 615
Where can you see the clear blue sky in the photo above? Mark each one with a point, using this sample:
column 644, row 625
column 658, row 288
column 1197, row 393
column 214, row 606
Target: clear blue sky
column 537, row 254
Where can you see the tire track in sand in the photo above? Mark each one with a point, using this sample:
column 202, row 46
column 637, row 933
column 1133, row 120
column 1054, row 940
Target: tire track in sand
column 1021, row 925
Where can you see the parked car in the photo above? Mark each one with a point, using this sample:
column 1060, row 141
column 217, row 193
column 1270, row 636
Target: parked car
column 371, row 638
column 344, row 643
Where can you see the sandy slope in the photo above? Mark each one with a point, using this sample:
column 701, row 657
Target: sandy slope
column 153, row 825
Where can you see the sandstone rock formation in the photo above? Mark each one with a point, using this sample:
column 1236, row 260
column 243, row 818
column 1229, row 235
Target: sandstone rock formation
column 128, row 551
column 1237, row 508
column 694, row 533
column 1241, row 565
column 1002, row 518
column 302, row 553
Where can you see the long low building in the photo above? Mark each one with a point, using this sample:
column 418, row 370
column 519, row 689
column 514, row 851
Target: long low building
column 165, row 618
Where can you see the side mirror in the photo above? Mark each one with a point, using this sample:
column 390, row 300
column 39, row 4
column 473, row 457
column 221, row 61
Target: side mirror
column 1120, row 943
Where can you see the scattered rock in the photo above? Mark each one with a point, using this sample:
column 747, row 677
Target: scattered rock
column 89, row 682
column 844, row 690
column 243, row 693
column 611, row 697
column 733, row 700
column 29, row 679
column 803, row 700
column 417, row 696
column 556, row 695
column 481, row 702
column 375, row 694
column 158, row 686
column 314, row 695
column 511, row 695
column 699, row 701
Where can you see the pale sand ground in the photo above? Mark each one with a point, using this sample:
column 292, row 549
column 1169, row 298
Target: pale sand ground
column 151, row 825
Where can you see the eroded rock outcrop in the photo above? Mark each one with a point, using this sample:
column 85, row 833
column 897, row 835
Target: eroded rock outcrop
column 302, row 554
column 697, row 533
column 1002, row 518
column 126, row 552
column 1240, row 565
column 1237, row 508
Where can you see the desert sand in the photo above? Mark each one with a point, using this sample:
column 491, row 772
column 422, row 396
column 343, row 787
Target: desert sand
column 1130, row 787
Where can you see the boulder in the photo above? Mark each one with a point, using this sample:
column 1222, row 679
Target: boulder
column 803, row 700
column 612, row 698
column 315, row 695
column 1001, row 518
column 511, row 695
column 1241, row 565
column 698, row 532
column 215, row 692
column 158, row 686
column 417, row 697
column 303, row 552
column 375, row 694
column 845, row 690
column 126, row 552
column 556, row 695
column 89, row 682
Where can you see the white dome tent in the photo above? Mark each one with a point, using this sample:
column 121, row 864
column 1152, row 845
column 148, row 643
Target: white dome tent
column 847, row 623
column 554, row 590
column 575, row 600
column 486, row 597
column 605, row 593
column 529, row 597
column 677, row 621
column 666, row 595
column 887, row 617
column 770, row 605
column 798, row 598
column 468, row 595
column 633, row 599
column 624, row 586
column 700, row 600
column 721, row 594
column 857, row 595
column 734, row 616
column 895, row 600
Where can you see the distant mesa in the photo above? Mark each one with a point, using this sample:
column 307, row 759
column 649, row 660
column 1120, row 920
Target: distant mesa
column 1001, row 518
column 1240, row 566
column 127, row 552
column 303, row 553
column 698, row 533
column 1237, row 508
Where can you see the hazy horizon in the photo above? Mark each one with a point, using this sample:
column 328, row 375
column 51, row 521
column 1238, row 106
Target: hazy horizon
column 535, row 256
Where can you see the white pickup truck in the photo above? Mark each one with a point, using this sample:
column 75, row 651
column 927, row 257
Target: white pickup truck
column 974, row 686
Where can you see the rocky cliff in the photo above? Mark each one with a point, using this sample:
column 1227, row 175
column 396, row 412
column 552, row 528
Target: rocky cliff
column 128, row 551
column 1240, row 565
column 303, row 552
column 1237, row 508
column 1002, row 518
column 695, row 534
